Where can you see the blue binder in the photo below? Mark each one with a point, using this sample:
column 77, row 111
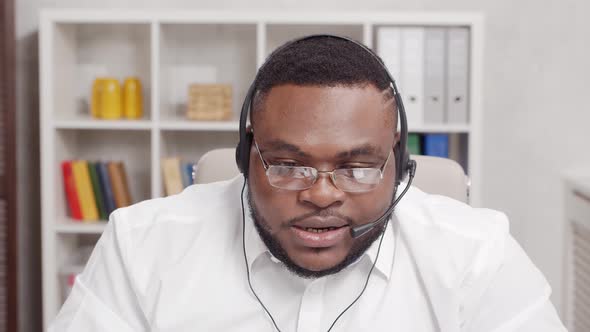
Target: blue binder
column 436, row 145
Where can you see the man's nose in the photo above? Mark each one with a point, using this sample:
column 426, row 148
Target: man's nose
column 323, row 193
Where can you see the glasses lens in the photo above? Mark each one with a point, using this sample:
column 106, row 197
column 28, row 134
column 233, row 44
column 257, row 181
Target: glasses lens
column 357, row 179
column 291, row 178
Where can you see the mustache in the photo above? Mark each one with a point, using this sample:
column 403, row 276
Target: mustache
column 324, row 213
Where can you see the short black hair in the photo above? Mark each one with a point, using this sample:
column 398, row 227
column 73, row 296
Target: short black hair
column 321, row 61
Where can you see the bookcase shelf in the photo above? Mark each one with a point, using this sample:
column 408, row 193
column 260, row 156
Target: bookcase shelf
column 200, row 125
column 84, row 51
column 168, row 50
column 103, row 124
column 446, row 128
column 69, row 226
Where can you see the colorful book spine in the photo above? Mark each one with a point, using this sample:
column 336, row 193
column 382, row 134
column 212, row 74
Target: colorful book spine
column 119, row 185
column 126, row 189
column 172, row 177
column 436, row 145
column 186, row 178
column 71, row 192
column 102, row 212
column 189, row 171
column 414, row 146
column 84, row 189
column 105, row 185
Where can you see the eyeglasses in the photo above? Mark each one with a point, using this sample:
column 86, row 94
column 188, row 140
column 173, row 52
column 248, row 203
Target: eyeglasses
column 356, row 179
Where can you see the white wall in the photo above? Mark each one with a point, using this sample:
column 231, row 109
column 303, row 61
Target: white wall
column 536, row 68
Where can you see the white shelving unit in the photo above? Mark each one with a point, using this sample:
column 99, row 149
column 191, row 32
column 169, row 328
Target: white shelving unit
column 168, row 50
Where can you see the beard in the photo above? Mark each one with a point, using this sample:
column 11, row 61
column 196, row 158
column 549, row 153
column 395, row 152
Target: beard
column 359, row 246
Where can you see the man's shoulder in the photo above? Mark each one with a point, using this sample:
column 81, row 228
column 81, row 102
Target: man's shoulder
column 452, row 239
column 451, row 216
column 162, row 234
column 195, row 204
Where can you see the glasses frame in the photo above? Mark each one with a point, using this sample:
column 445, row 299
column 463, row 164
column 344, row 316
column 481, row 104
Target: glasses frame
column 317, row 172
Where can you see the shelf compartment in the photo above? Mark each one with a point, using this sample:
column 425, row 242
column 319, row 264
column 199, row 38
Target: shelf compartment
column 132, row 147
column 82, row 52
column 204, row 53
column 191, row 145
column 73, row 251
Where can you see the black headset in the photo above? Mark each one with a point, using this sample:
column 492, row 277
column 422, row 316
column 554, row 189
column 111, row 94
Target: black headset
column 403, row 164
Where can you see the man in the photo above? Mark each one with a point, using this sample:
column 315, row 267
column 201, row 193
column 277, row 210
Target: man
column 276, row 252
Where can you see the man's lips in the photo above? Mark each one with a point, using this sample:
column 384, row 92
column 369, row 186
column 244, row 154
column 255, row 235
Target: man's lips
column 320, row 232
column 320, row 222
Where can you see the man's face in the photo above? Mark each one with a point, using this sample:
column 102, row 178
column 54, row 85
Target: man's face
column 325, row 128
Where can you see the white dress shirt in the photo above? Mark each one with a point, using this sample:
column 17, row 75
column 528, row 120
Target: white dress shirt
column 177, row 264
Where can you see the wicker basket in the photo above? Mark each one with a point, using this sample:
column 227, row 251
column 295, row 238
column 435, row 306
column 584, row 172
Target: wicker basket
column 209, row 102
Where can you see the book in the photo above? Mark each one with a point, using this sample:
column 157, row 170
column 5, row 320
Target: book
column 457, row 75
column 105, row 186
column 434, row 74
column 84, row 189
column 186, row 171
column 126, row 190
column 412, row 74
column 98, row 195
column 70, row 190
column 189, row 169
column 414, row 146
column 436, row 145
column 118, row 179
column 172, row 177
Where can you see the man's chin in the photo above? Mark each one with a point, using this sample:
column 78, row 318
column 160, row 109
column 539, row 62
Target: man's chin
column 311, row 267
column 317, row 259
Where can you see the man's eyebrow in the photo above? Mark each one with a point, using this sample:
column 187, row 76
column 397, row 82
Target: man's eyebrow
column 363, row 150
column 280, row 145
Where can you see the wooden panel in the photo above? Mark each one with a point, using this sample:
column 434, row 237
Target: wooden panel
column 8, row 253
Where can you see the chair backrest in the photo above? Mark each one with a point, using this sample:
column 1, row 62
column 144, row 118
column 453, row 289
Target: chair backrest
column 434, row 175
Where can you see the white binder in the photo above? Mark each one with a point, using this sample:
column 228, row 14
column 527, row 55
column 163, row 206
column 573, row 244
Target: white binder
column 389, row 49
column 434, row 75
column 412, row 75
column 457, row 75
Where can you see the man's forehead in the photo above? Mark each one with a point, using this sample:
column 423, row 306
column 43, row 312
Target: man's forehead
column 334, row 105
column 329, row 120
column 339, row 150
column 288, row 96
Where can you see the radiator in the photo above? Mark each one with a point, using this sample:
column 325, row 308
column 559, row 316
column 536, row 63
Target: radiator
column 577, row 259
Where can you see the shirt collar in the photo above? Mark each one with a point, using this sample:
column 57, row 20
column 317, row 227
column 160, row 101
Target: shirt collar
column 256, row 249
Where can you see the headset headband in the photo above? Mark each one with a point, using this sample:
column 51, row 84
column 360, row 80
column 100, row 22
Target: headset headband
column 245, row 139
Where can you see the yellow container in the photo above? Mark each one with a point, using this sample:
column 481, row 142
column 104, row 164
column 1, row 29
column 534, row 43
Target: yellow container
column 110, row 99
column 132, row 98
column 95, row 107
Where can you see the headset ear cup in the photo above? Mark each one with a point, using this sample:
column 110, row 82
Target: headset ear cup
column 398, row 164
column 238, row 156
column 402, row 163
column 406, row 164
column 245, row 146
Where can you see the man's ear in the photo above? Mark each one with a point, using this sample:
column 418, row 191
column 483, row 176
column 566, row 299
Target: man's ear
column 396, row 138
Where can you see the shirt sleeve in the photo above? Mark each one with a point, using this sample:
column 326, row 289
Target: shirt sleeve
column 511, row 296
column 103, row 297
